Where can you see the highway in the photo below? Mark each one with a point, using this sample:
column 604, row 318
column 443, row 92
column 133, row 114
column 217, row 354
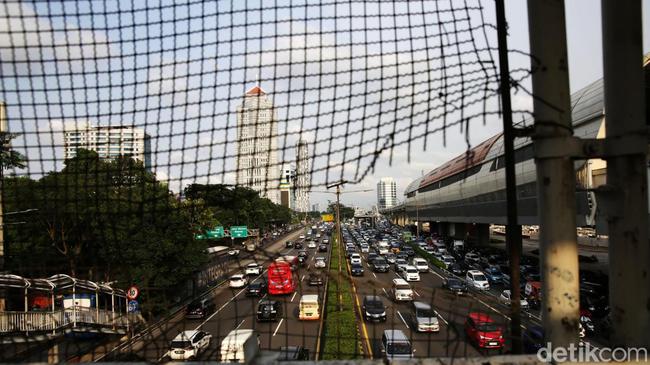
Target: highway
column 452, row 311
column 235, row 310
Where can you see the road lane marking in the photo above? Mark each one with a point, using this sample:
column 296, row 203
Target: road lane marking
column 400, row 316
column 278, row 327
column 294, row 296
column 302, row 278
column 385, row 292
column 240, row 323
column 435, row 272
column 440, row 316
column 373, row 274
column 416, row 293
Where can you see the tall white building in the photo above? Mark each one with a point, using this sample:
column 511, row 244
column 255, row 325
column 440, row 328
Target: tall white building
column 109, row 142
column 257, row 145
column 303, row 176
column 386, row 193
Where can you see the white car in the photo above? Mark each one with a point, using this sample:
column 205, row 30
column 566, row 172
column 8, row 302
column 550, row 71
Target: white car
column 320, row 263
column 411, row 273
column 355, row 258
column 237, row 281
column 401, row 290
column 447, row 260
column 365, row 248
column 188, row 345
column 253, row 269
column 311, row 244
column 505, row 299
column 233, row 252
column 421, row 264
column 477, row 279
column 326, row 240
column 472, row 257
column 302, row 237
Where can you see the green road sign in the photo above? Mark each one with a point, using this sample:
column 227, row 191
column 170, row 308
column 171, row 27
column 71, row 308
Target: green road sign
column 238, row 231
column 199, row 236
column 217, row 232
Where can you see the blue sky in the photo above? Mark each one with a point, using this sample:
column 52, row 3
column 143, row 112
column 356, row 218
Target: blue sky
column 344, row 76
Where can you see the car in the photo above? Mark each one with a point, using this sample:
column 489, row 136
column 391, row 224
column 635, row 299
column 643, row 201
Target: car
column 395, row 345
column 373, row 309
column 188, row 345
column 322, row 248
column 481, row 329
column 477, row 279
column 390, row 257
column 533, row 339
column 237, row 281
column 448, row 260
column 293, row 353
column 457, row 268
column 355, row 258
column 402, row 255
column 288, row 244
column 233, row 252
column 472, row 257
column 302, row 236
column 401, row 290
column 425, row 318
column 505, row 299
column 455, row 285
column 356, row 269
column 253, row 269
column 311, row 244
column 256, row 289
column 379, row 265
column 430, row 250
column 297, row 245
column 400, row 265
column 365, row 248
column 302, row 260
column 303, row 253
column 199, row 308
column 320, row 263
column 371, row 256
column 421, row 264
column 409, row 251
column 411, row 273
column 326, row 241
column 493, row 275
column 269, row 310
column 315, row 278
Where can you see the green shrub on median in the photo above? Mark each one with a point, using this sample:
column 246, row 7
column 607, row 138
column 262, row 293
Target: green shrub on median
column 340, row 335
column 427, row 256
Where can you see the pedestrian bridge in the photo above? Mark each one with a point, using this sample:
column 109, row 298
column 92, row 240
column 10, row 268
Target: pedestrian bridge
column 60, row 304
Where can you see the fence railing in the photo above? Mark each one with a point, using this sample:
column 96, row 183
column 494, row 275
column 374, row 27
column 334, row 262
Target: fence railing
column 59, row 319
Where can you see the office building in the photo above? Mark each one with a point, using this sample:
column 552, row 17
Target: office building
column 303, row 176
column 257, row 145
column 386, row 193
column 109, row 142
column 287, row 187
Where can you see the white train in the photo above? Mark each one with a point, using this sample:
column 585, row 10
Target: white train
column 471, row 187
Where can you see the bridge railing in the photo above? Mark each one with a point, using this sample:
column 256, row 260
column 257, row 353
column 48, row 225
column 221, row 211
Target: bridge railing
column 62, row 318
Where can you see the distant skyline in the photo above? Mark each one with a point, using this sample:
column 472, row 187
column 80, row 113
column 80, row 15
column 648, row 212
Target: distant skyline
column 330, row 79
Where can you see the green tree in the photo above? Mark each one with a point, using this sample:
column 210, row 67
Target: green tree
column 346, row 212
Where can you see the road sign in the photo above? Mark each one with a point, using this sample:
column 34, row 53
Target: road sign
column 132, row 293
column 217, row 232
column 133, row 306
column 238, row 231
column 200, row 236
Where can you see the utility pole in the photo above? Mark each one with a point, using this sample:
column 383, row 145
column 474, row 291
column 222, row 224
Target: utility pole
column 625, row 195
column 3, row 129
column 513, row 229
column 555, row 172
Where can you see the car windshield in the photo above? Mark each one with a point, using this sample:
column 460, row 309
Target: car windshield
column 180, row 344
column 453, row 282
column 402, row 287
column 399, row 348
column 357, row 266
column 380, row 262
column 425, row 313
column 252, row 266
column 255, row 285
column 479, row 277
column 194, row 306
column 487, row 327
column 411, row 270
column 374, row 304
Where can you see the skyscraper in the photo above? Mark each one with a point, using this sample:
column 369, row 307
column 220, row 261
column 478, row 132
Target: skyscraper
column 109, row 142
column 257, row 145
column 287, row 187
column 386, row 193
column 303, row 176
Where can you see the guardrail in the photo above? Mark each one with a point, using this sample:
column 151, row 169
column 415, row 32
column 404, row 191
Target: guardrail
column 11, row 322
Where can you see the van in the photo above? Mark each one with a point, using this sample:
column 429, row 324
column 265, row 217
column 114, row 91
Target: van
column 401, row 290
column 395, row 345
column 240, row 346
column 309, row 308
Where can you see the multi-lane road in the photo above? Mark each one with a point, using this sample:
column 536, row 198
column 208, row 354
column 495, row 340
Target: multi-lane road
column 234, row 310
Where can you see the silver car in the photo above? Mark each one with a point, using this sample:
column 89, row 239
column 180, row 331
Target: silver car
column 426, row 319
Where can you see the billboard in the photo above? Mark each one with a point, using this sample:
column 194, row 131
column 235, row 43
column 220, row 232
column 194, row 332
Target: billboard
column 327, row 217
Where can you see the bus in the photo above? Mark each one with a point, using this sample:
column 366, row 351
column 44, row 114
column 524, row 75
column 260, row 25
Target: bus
column 281, row 278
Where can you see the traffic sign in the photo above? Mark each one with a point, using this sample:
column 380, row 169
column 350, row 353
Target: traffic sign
column 132, row 293
column 133, row 306
column 217, row 232
column 238, row 231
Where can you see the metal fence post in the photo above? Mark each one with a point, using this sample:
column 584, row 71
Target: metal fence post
column 555, row 174
column 627, row 185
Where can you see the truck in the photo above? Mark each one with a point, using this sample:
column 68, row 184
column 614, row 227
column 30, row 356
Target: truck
column 240, row 346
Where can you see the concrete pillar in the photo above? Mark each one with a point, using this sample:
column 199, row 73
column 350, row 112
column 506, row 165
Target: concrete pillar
column 460, row 231
column 443, row 228
column 482, row 234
